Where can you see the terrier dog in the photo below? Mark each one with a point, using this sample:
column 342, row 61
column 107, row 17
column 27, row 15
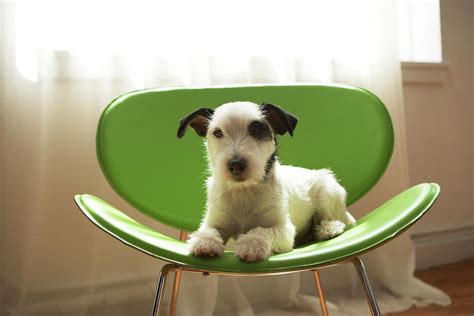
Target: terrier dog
column 251, row 197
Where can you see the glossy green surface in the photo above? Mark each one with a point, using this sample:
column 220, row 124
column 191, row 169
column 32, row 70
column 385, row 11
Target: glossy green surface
column 345, row 128
column 377, row 227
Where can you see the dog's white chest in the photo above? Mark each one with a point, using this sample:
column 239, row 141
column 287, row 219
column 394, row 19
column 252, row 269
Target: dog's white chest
column 249, row 208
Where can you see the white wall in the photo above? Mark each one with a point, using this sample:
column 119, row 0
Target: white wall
column 439, row 116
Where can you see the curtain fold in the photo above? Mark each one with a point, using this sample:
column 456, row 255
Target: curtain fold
column 54, row 262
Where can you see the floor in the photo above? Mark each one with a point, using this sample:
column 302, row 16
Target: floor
column 457, row 280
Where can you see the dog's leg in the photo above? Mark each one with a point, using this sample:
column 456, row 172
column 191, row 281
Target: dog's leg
column 258, row 243
column 210, row 239
column 206, row 242
column 329, row 198
column 213, row 233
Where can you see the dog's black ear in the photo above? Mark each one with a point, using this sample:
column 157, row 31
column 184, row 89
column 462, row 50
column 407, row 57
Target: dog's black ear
column 280, row 120
column 198, row 120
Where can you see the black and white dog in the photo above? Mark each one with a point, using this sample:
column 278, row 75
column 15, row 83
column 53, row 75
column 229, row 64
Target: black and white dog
column 250, row 196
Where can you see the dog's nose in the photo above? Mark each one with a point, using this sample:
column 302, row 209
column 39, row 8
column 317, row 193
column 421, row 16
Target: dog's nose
column 237, row 165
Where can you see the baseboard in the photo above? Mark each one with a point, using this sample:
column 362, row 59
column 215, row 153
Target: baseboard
column 443, row 247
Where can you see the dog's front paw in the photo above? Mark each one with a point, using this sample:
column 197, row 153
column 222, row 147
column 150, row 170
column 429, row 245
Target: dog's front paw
column 252, row 248
column 328, row 229
column 206, row 243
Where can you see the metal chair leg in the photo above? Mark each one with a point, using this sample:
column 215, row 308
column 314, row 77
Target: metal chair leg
column 177, row 281
column 369, row 294
column 322, row 300
column 160, row 287
column 174, row 297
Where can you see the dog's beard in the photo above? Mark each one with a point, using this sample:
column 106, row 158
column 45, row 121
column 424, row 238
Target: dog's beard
column 239, row 178
column 244, row 182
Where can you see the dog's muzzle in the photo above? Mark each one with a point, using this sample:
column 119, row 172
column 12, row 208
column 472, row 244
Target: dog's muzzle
column 236, row 166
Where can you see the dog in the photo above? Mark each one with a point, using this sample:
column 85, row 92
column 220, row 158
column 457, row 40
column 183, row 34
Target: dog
column 264, row 205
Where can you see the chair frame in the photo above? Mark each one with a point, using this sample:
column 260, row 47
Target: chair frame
column 178, row 269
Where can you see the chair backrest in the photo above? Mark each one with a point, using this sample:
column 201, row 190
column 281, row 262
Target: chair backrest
column 344, row 128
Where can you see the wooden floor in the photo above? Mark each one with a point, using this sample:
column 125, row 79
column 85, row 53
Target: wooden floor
column 457, row 280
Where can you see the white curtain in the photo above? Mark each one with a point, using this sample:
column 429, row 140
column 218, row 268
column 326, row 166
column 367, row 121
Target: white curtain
column 62, row 63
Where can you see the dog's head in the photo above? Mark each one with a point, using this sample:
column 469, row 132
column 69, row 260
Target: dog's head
column 240, row 138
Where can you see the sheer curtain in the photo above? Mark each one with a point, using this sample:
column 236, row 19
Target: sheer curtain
column 62, row 63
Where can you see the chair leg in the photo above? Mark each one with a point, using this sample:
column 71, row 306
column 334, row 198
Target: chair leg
column 174, row 297
column 369, row 294
column 160, row 287
column 322, row 300
column 177, row 281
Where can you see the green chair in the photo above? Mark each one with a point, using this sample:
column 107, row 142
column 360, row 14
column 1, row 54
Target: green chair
column 163, row 177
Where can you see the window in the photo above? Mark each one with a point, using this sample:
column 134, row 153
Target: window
column 140, row 30
column 419, row 31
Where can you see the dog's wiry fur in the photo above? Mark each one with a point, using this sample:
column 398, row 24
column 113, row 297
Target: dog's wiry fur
column 264, row 205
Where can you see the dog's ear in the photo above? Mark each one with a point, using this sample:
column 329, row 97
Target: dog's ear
column 198, row 120
column 280, row 120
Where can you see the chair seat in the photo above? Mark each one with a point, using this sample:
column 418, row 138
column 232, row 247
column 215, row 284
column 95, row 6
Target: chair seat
column 377, row 227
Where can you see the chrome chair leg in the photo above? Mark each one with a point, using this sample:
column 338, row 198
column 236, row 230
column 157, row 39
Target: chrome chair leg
column 369, row 294
column 160, row 287
column 322, row 300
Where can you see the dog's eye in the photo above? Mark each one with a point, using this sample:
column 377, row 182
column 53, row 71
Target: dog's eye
column 259, row 130
column 218, row 133
column 255, row 129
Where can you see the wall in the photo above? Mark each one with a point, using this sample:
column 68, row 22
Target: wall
column 439, row 115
